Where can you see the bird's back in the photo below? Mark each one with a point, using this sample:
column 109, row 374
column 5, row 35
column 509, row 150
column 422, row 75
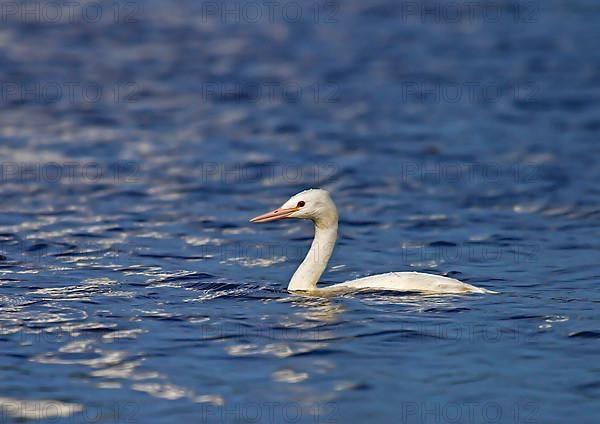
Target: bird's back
column 410, row 282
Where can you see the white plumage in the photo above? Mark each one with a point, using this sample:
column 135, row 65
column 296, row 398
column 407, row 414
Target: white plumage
column 317, row 206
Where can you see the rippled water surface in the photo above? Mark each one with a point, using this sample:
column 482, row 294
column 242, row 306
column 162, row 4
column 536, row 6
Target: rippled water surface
column 133, row 288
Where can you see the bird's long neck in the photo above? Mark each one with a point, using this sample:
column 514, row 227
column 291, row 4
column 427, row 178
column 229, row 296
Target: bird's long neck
column 310, row 270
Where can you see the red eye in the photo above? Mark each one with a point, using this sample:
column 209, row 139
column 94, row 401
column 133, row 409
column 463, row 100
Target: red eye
column 301, row 203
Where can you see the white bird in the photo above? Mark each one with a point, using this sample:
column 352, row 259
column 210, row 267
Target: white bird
column 317, row 206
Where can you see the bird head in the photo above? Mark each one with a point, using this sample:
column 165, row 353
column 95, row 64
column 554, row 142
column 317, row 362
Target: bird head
column 314, row 204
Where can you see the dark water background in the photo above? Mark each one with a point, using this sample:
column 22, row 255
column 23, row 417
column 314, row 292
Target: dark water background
column 135, row 148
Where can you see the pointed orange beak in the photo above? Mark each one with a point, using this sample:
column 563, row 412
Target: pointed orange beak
column 274, row 215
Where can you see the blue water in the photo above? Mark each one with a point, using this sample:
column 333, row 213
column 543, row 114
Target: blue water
column 133, row 288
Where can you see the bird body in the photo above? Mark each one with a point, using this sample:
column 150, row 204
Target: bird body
column 317, row 206
column 409, row 282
